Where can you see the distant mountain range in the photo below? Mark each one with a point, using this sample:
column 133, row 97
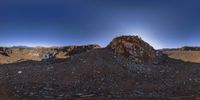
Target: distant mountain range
column 20, row 47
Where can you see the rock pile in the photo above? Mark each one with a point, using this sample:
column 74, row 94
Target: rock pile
column 80, row 49
column 4, row 51
column 48, row 56
column 133, row 47
column 71, row 50
column 67, row 51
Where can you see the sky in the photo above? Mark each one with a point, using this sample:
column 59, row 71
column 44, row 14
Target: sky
column 162, row 23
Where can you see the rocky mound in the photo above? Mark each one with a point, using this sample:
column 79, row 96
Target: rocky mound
column 133, row 47
column 72, row 50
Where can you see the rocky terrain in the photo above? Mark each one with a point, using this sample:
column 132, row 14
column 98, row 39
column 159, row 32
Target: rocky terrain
column 134, row 48
column 127, row 69
column 19, row 54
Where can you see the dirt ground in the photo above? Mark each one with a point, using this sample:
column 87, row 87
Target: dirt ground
column 188, row 56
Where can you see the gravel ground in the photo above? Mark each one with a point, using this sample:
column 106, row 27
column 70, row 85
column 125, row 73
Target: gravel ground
column 101, row 75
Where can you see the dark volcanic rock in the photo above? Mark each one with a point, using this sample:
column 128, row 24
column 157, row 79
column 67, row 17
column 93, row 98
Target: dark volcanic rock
column 71, row 50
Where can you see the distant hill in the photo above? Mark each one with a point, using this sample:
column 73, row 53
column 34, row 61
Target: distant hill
column 184, row 48
column 20, row 47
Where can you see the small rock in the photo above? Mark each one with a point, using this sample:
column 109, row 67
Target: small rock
column 19, row 72
column 89, row 95
column 177, row 72
column 162, row 71
column 49, row 97
column 79, row 94
column 31, row 94
column 190, row 79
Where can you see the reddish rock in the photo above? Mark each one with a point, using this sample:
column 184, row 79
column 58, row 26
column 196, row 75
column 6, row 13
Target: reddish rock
column 133, row 46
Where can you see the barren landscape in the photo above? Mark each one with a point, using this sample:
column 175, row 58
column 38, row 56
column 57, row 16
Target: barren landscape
column 187, row 54
column 127, row 69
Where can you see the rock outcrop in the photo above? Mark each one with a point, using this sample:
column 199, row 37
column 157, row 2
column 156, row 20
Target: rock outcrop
column 4, row 51
column 133, row 47
column 71, row 50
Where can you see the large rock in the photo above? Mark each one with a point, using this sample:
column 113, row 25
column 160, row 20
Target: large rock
column 5, row 51
column 134, row 47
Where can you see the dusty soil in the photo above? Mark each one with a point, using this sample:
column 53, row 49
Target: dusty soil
column 100, row 74
column 187, row 56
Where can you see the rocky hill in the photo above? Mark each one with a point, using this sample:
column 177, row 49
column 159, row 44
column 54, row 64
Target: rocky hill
column 117, row 72
column 134, row 48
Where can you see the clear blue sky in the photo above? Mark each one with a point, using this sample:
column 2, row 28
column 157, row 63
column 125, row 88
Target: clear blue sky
column 162, row 23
